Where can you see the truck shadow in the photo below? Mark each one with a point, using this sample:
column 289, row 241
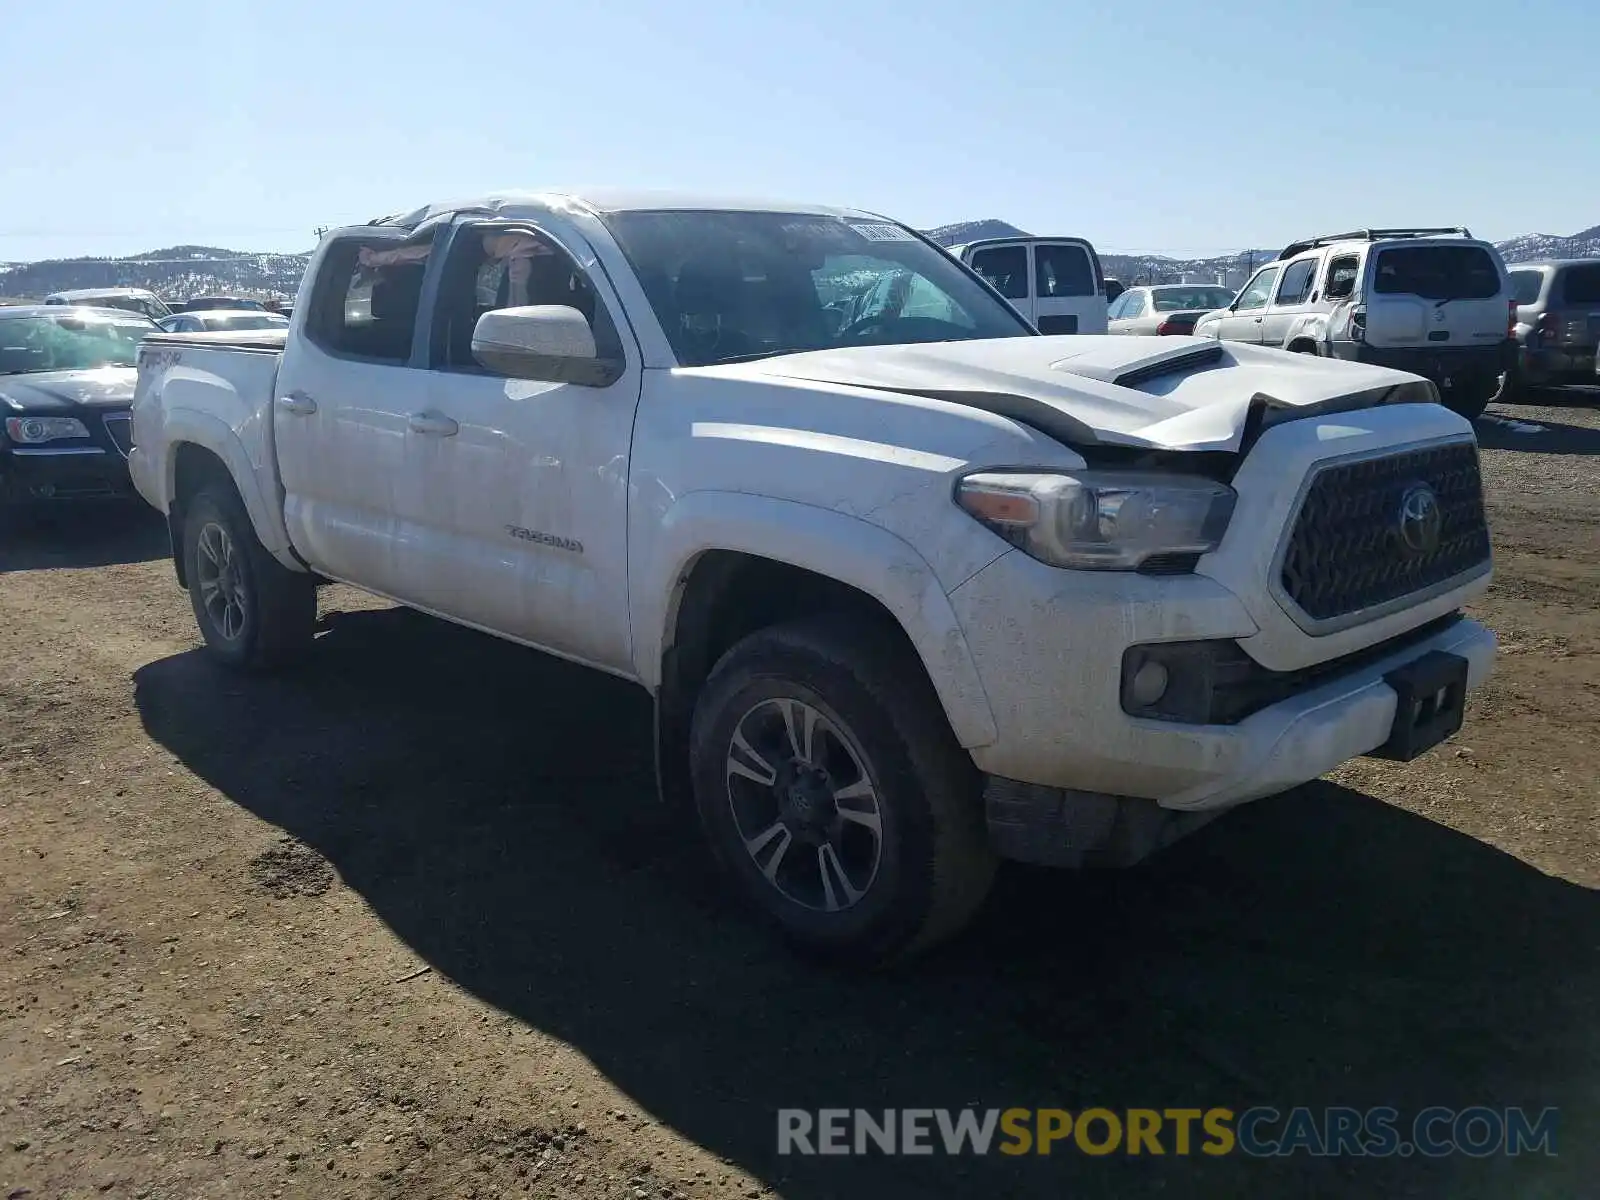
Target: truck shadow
column 98, row 535
column 494, row 808
column 1508, row 431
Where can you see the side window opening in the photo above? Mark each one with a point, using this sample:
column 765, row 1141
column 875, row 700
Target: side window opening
column 1295, row 286
column 1006, row 269
column 492, row 267
column 366, row 300
column 1341, row 278
column 1257, row 291
column 1525, row 286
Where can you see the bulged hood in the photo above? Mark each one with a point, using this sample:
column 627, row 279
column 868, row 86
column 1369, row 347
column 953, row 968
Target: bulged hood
column 60, row 391
column 1175, row 393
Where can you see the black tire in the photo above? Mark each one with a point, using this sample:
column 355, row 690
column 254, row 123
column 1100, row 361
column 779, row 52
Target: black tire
column 1471, row 404
column 932, row 866
column 1305, row 348
column 279, row 606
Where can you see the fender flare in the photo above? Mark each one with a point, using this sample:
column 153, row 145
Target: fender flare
column 188, row 425
column 845, row 548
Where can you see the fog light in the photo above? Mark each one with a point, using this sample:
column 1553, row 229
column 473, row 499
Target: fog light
column 1149, row 683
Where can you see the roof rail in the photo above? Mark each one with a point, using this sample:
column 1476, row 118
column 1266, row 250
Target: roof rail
column 1372, row 235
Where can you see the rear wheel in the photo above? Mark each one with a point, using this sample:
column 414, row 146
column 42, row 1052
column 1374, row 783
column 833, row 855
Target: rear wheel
column 834, row 794
column 1470, row 399
column 254, row 613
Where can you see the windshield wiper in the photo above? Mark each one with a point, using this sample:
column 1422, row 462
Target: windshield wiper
column 757, row 355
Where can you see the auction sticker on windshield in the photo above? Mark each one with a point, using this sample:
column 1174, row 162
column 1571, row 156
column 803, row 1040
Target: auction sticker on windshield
column 882, row 232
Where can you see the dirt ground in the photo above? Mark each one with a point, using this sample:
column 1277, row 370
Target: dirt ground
column 409, row 924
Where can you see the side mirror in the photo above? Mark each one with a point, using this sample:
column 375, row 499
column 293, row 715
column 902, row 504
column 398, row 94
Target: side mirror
column 549, row 342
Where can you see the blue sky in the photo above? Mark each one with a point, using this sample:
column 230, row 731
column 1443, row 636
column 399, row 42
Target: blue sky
column 1199, row 127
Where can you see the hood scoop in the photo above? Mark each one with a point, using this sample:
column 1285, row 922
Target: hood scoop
column 1167, row 393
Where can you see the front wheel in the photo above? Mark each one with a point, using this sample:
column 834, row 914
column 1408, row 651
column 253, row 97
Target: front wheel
column 834, row 794
column 254, row 613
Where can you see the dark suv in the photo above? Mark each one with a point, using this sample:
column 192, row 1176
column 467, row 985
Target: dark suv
column 1558, row 320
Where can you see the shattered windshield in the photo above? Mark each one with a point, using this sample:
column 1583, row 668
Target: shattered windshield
column 728, row 286
column 71, row 342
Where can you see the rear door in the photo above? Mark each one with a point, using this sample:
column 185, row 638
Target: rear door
column 1069, row 296
column 1435, row 293
column 350, row 382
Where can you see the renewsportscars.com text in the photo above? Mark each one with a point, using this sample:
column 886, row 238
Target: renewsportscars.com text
column 1261, row 1132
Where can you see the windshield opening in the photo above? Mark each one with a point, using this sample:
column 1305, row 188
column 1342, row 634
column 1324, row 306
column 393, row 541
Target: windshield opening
column 729, row 286
column 69, row 343
column 1437, row 273
column 1184, row 299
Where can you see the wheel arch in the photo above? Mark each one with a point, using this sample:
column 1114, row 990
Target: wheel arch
column 189, row 432
column 727, row 564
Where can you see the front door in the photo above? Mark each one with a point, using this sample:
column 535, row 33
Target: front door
column 1244, row 320
column 527, row 481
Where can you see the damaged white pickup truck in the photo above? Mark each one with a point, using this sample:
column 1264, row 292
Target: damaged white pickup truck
column 913, row 586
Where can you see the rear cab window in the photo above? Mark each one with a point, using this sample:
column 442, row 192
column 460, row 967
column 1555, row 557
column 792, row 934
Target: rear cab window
column 1436, row 272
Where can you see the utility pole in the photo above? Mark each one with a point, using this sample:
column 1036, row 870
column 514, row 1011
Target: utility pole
column 322, row 232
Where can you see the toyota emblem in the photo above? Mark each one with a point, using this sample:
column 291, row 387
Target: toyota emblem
column 1421, row 520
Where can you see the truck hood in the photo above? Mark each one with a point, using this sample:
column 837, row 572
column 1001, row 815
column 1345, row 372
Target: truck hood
column 60, row 391
column 1171, row 393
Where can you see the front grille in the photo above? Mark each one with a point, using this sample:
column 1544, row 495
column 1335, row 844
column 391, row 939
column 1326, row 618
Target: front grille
column 1347, row 553
column 119, row 428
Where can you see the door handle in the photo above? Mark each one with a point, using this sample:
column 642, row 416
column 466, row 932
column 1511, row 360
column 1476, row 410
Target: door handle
column 298, row 403
column 432, row 424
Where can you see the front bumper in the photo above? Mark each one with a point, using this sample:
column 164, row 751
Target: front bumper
column 1057, row 699
column 51, row 474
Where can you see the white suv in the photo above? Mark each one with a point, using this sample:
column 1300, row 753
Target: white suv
column 1435, row 302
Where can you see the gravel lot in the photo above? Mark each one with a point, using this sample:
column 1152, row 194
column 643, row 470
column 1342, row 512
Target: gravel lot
column 409, row 924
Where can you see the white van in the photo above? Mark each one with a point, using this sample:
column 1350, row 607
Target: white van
column 1055, row 282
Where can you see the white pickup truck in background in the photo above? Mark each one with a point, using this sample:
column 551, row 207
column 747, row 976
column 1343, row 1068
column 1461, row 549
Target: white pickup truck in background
column 913, row 586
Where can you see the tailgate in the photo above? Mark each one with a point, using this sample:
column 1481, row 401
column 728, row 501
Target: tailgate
column 1441, row 294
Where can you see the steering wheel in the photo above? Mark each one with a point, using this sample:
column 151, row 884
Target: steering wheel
column 870, row 321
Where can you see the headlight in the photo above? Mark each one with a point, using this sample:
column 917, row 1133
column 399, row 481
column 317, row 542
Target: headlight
column 1099, row 520
column 30, row 431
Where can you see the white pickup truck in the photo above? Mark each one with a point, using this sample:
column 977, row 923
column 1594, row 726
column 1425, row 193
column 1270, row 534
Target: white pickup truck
column 913, row 590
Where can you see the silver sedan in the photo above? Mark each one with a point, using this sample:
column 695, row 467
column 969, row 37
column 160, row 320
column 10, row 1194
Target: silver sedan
column 1165, row 308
